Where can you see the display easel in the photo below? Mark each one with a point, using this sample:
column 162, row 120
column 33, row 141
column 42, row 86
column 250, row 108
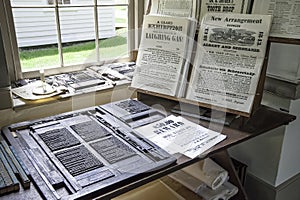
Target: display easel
column 257, row 98
column 256, row 102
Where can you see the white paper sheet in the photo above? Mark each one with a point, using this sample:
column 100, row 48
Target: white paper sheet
column 178, row 135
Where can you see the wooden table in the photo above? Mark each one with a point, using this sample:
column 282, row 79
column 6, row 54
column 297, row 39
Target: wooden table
column 241, row 129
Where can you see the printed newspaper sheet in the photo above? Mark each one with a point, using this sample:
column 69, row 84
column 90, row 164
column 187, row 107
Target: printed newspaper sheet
column 179, row 135
column 180, row 8
column 286, row 16
column 229, row 59
column 197, row 8
column 164, row 54
column 230, row 6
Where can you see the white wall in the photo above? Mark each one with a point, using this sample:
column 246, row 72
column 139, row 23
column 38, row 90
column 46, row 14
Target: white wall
column 274, row 156
column 284, row 61
column 261, row 154
column 289, row 164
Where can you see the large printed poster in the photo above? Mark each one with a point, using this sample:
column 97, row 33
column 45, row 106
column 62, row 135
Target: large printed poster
column 229, row 59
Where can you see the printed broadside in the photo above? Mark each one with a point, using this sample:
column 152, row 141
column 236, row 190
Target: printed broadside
column 228, row 61
column 179, row 135
column 286, row 16
column 164, row 54
column 180, row 8
column 229, row 6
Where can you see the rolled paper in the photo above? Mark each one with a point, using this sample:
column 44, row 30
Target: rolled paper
column 224, row 192
column 209, row 172
column 187, row 180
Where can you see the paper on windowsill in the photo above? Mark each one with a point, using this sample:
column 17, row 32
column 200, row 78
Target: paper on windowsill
column 26, row 91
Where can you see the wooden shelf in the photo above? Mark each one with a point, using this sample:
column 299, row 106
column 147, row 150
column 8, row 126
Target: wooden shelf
column 183, row 100
column 285, row 40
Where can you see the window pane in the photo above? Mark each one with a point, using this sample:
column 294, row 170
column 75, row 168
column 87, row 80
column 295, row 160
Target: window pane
column 36, row 37
column 29, row 3
column 113, row 32
column 105, row 2
column 78, row 35
column 80, row 2
column 36, row 31
column 121, row 1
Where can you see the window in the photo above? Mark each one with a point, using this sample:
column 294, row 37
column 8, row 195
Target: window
column 67, row 35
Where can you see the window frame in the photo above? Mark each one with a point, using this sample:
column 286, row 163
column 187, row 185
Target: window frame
column 136, row 9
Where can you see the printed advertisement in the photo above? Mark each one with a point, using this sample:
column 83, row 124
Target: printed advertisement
column 229, row 59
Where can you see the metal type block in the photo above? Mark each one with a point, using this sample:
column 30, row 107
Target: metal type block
column 113, row 150
column 133, row 112
column 132, row 106
column 90, row 130
column 59, row 139
column 78, row 160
